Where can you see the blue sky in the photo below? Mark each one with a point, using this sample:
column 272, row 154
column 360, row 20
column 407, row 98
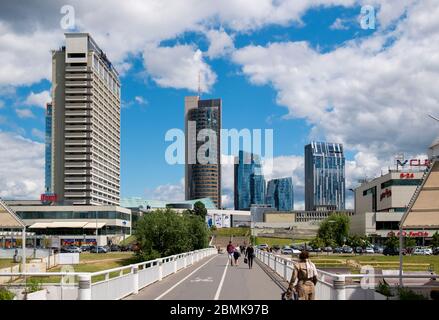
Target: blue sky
column 252, row 98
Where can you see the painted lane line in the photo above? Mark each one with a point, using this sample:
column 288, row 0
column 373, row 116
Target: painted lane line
column 222, row 281
column 182, row 280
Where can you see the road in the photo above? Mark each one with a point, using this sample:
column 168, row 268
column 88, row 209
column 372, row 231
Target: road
column 214, row 279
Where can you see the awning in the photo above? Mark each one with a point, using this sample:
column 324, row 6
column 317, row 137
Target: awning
column 8, row 218
column 58, row 224
column 92, row 225
column 40, row 225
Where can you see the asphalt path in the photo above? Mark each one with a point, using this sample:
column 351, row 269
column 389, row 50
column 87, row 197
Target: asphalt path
column 214, row 278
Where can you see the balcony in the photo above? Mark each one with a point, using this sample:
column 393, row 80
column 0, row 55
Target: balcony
column 70, row 135
column 78, row 113
column 74, row 172
column 77, row 98
column 76, row 150
column 78, row 76
column 77, row 106
column 77, row 157
column 77, row 128
column 77, row 68
column 78, row 84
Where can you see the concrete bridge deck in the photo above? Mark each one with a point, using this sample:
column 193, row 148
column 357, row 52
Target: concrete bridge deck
column 214, row 279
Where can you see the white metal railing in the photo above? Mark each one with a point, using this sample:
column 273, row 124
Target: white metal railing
column 117, row 283
column 331, row 286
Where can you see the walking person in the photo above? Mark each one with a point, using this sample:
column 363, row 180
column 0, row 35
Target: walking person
column 305, row 274
column 250, row 254
column 236, row 256
column 230, row 250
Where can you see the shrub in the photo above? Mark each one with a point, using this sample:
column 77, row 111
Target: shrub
column 384, row 289
column 407, row 294
column 434, row 295
column 33, row 285
column 5, row 294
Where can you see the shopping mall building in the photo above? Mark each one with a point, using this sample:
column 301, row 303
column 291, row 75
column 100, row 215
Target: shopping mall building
column 381, row 203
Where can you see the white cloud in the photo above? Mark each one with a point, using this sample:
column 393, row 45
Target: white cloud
column 38, row 134
column 220, row 43
column 21, row 167
column 24, row 113
column 178, row 67
column 38, row 99
column 167, row 192
column 339, row 24
column 140, row 100
column 371, row 94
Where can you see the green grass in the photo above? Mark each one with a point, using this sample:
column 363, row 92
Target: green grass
column 413, row 263
column 92, row 267
column 236, row 232
column 86, row 256
column 4, row 263
column 277, row 241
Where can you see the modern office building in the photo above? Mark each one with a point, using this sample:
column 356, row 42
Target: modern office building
column 249, row 181
column 202, row 149
column 280, row 194
column 48, row 151
column 85, row 144
column 324, row 176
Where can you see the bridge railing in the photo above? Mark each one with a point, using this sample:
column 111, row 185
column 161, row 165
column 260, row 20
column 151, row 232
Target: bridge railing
column 110, row 284
column 332, row 286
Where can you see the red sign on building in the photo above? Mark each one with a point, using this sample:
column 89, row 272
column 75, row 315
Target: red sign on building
column 48, row 197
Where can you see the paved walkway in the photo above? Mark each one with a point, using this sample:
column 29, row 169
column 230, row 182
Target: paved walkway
column 214, row 279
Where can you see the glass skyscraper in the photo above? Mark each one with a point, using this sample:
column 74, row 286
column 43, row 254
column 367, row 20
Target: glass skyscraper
column 249, row 181
column 48, row 150
column 324, row 176
column 280, row 194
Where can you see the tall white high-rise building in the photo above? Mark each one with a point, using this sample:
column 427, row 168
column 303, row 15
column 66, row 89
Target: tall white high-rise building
column 85, row 135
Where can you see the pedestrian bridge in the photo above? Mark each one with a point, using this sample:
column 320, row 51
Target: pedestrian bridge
column 207, row 275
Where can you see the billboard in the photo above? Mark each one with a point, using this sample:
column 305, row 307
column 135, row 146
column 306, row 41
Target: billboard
column 226, row 221
column 218, row 221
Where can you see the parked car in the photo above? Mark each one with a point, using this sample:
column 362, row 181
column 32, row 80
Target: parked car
column 436, row 251
column 85, row 248
column 115, row 247
column 70, row 249
column 316, row 250
column 369, row 250
column 378, row 249
column 327, row 249
column 393, row 252
column 359, row 250
column 263, row 247
column 422, row 252
column 286, row 250
column 347, row 249
column 125, row 248
column 98, row 249
column 337, row 250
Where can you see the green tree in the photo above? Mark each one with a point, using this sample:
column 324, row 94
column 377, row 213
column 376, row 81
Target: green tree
column 200, row 209
column 198, row 232
column 162, row 233
column 335, row 228
column 409, row 242
column 392, row 242
column 435, row 240
column 317, row 243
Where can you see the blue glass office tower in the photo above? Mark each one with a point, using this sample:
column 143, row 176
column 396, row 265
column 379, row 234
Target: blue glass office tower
column 280, row 194
column 48, row 150
column 324, row 176
column 249, row 181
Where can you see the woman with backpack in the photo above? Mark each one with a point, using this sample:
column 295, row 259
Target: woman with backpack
column 305, row 274
column 236, row 256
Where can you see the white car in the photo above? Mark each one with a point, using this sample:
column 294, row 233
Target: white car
column 369, row 250
column 422, row 252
